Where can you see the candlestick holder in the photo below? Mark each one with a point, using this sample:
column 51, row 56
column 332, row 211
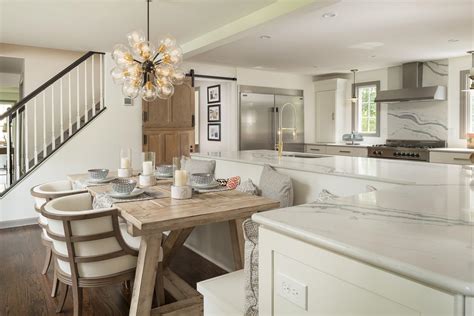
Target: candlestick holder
column 181, row 188
column 147, row 177
column 125, row 170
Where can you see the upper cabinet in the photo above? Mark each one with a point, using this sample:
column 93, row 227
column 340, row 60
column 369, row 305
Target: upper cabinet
column 176, row 112
column 330, row 109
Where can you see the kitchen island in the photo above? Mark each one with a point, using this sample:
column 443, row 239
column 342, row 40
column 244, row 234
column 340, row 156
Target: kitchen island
column 405, row 249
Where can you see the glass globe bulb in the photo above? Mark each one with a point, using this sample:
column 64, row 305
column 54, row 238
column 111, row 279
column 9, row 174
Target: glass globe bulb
column 178, row 76
column 166, row 91
column 136, row 37
column 167, row 42
column 130, row 89
column 174, row 56
column 118, row 75
column 149, row 92
column 144, row 51
column 135, row 70
column 164, row 70
column 122, row 56
column 161, row 81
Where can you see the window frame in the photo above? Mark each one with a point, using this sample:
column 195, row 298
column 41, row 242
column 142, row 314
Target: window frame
column 355, row 108
column 464, row 104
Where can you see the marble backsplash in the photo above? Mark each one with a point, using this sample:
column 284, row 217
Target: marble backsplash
column 424, row 120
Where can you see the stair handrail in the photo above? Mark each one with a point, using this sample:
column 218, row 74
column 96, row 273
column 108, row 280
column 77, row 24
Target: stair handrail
column 45, row 85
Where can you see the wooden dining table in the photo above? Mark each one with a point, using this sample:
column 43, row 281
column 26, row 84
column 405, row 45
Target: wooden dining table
column 151, row 219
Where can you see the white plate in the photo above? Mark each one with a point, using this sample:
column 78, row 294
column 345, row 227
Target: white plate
column 135, row 192
column 163, row 176
column 211, row 185
column 108, row 179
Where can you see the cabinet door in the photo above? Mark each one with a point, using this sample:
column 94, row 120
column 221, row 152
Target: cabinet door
column 169, row 144
column 176, row 112
column 325, row 116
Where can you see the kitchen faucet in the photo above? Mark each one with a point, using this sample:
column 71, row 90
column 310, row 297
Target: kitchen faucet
column 281, row 129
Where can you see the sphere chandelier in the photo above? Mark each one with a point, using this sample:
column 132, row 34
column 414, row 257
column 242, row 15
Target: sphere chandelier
column 145, row 70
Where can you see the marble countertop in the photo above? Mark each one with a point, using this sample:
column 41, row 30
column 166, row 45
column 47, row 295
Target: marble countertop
column 423, row 232
column 384, row 170
column 453, row 150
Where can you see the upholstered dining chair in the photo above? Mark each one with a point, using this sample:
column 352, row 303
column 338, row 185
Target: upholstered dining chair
column 43, row 193
column 91, row 247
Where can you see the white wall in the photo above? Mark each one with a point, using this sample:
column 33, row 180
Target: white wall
column 96, row 146
column 229, row 111
column 40, row 63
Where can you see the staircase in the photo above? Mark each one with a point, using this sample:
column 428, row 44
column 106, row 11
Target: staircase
column 43, row 121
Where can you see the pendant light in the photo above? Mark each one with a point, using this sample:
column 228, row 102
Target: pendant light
column 471, row 74
column 353, row 94
column 145, row 70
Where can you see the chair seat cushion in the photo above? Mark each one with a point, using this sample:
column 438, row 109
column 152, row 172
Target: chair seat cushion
column 134, row 242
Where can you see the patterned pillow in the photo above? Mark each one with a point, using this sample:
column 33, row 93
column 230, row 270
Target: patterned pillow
column 198, row 166
column 276, row 186
column 247, row 186
column 251, row 267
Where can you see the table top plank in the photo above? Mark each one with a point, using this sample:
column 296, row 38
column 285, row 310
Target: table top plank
column 164, row 213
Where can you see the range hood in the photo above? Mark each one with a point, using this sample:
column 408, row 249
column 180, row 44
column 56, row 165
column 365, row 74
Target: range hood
column 412, row 79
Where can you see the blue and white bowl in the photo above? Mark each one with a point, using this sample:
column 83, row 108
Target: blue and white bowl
column 123, row 186
column 98, row 174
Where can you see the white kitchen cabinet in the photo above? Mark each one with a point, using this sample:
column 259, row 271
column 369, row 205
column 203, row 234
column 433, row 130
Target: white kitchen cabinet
column 347, row 151
column 321, row 282
column 330, row 109
column 451, row 157
column 315, row 149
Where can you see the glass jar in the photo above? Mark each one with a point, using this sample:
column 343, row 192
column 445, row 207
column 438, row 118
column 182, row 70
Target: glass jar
column 125, row 158
column 148, row 163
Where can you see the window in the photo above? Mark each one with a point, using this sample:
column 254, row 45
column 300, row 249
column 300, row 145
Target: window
column 467, row 106
column 366, row 112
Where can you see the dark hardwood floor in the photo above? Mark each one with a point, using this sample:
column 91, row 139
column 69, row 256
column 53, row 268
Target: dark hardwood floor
column 25, row 291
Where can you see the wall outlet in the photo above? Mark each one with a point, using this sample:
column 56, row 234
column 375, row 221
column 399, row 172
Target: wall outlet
column 292, row 290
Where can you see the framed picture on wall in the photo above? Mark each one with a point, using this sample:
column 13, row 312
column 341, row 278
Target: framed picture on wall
column 214, row 94
column 214, row 113
column 214, row 132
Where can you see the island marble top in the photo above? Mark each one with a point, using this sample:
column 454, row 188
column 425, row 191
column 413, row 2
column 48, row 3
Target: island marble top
column 423, row 232
column 375, row 169
column 423, row 229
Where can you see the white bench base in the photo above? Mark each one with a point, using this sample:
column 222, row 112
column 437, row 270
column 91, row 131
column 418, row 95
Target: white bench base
column 224, row 295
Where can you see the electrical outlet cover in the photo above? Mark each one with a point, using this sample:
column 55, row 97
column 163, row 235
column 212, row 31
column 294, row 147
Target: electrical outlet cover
column 292, row 290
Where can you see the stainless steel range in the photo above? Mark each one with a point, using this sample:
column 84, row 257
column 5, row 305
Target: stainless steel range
column 406, row 149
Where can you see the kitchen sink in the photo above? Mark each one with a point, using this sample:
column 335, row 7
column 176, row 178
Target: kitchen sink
column 302, row 156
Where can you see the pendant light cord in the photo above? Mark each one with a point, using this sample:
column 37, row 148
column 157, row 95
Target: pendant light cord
column 148, row 20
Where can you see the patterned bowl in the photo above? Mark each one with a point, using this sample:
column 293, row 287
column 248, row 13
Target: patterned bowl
column 202, row 178
column 123, row 186
column 165, row 170
column 98, row 174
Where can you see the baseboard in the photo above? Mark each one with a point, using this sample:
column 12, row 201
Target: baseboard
column 217, row 263
column 19, row 222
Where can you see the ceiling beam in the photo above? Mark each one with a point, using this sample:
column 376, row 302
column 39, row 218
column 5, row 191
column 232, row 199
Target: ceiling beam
column 239, row 28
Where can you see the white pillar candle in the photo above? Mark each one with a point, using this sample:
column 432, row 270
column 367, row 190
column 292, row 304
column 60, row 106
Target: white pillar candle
column 147, row 168
column 180, row 178
column 125, row 163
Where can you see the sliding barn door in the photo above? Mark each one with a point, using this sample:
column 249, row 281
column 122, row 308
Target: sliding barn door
column 168, row 125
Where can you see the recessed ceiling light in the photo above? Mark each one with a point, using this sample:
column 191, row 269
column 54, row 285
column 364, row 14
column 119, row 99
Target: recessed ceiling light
column 265, row 37
column 373, row 56
column 453, row 40
column 328, row 15
column 314, row 66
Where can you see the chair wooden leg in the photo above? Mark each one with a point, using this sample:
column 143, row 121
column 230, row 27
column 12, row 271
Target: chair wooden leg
column 62, row 297
column 159, row 286
column 54, row 290
column 47, row 260
column 77, row 300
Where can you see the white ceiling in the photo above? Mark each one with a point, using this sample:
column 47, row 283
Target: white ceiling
column 365, row 34
column 100, row 24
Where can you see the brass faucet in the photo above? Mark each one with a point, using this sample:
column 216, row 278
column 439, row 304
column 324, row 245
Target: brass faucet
column 281, row 129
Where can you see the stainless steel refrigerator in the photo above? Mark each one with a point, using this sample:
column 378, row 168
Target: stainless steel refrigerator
column 260, row 111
